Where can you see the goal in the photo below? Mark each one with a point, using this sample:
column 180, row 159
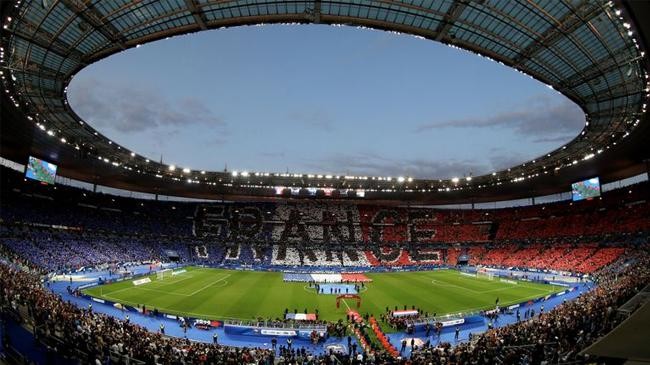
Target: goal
column 165, row 273
column 484, row 274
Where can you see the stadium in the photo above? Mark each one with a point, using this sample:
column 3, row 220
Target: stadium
column 109, row 257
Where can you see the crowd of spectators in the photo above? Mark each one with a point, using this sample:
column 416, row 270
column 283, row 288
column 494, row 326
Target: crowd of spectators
column 24, row 202
column 315, row 221
column 101, row 229
column 58, row 250
column 554, row 336
column 554, row 254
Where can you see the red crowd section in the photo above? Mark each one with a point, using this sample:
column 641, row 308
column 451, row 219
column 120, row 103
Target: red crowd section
column 585, row 258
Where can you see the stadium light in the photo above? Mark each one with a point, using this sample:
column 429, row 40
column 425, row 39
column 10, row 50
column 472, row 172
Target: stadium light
column 400, row 179
column 244, row 173
column 469, row 178
column 186, row 170
column 132, row 154
column 455, row 180
column 172, row 167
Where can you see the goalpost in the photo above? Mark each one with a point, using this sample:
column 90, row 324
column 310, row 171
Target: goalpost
column 484, row 274
column 165, row 273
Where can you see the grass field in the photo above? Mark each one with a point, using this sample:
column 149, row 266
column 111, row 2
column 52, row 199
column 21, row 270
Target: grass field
column 227, row 294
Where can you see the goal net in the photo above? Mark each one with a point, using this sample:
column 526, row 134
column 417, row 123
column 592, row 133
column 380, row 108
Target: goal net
column 484, row 274
column 165, row 273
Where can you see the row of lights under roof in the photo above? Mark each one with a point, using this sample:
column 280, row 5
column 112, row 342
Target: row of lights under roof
column 443, row 189
column 400, row 179
column 454, row 180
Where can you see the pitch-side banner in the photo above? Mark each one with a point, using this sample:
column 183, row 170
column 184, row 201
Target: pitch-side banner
column 303, row 333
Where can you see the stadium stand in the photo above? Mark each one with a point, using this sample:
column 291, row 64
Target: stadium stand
column 617, row 247
column 68, row 328
column 316, row 228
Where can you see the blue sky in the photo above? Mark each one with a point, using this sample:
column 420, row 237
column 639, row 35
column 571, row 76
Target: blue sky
column 321, row 99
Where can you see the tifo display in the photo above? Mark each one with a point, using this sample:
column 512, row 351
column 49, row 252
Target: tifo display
column 263, row 272
column 273, row 274
column 134, row 255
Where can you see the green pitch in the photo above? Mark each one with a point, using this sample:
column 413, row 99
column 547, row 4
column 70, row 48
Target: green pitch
column 228, row 294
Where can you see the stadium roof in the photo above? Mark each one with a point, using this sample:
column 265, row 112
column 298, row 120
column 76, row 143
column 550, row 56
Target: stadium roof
column 591, row 51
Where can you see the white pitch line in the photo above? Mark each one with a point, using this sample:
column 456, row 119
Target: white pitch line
column 171, row 282
column 446, row 284
column 162, row 291
column 346, row 304
column 209, row 285
column 123, row 289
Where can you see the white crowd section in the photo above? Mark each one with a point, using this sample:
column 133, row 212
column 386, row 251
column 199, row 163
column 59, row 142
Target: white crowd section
column 361, row 256
column 233, row 252
column 317, row 213
column 292, row 257
column 321, row 259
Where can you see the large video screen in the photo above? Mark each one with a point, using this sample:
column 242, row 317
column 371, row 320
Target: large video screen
column 587, row 189
column 40, row 170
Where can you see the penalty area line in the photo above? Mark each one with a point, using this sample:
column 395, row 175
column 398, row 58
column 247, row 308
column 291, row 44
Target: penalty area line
column 209, row 285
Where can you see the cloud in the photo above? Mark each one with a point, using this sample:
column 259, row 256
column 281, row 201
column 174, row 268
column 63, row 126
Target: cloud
column 129, row 109
column 556, row 139
column 273, row 155
column 371, row 164
column 374, row 165
column 500, row 161
column 540, row 121
column 314, row 119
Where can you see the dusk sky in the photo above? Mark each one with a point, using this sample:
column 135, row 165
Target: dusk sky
column 321, row 99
